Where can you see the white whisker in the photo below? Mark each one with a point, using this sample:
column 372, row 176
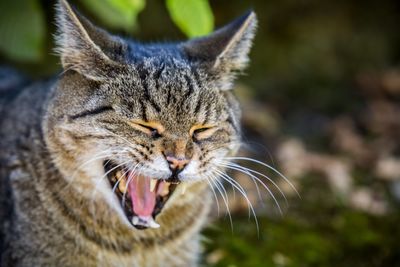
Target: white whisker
column 242, row 191
column 249, row 172
column 224, row 200
column 215, row 194
column 269, row 167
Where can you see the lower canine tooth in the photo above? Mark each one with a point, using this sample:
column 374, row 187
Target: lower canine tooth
column 153, row 183
column 152, row 223
column 146, row 221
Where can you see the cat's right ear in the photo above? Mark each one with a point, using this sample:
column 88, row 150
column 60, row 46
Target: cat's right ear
column 85, row 48
column 225, row 51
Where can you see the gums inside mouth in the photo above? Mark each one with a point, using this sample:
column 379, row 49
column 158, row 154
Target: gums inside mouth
column 142, row 198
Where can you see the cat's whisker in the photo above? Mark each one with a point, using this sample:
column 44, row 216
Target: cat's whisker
column 242, row 191
column 129, row 180
column 224, row 176
column 119, row 180
column 104, row 154
column 99, row 180
column 214, row 193
column 224, row 165
column 248, row 171
column 269, row 167
column 255, row 178
column 74, row 175
column 223, row 189
column 213, row 179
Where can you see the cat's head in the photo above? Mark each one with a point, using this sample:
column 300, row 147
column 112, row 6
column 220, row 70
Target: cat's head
column 145, row 119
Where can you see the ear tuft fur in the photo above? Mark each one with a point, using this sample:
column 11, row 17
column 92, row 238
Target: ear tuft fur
column 82, row 46
column 226, row 50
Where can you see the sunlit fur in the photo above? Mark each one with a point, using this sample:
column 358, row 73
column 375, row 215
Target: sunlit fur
column 61, row 132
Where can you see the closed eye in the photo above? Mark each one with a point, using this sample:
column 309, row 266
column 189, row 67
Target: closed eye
column 153, row 129
column 201, row 132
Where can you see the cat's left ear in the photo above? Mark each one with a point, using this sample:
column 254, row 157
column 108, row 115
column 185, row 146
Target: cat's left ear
column 225, row 51
column 85, row 48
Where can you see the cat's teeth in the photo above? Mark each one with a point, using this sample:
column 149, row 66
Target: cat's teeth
column 122, row 185
column 183, row 189
column 153, row 183
column 148, row 222
column 153, row 224
column 165, row 190
column 135, row 220
column 118, row 175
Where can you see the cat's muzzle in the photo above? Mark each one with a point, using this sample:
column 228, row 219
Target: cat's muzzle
column 142, row 198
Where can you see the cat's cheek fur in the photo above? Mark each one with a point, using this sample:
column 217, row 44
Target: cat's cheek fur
column 157, row 168
column 191, row 172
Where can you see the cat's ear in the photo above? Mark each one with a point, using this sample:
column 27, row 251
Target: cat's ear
column 85, row 48
column 225, row 51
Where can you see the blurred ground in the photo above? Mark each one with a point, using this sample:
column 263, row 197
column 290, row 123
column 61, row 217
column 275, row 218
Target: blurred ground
column 321, row 104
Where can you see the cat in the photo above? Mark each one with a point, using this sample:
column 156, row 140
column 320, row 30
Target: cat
column 110, row 163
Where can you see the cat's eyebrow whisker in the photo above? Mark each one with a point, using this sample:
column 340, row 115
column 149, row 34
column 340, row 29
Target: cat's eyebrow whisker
column 269, row 167
column 213, row 179
column 248, row 171
column 243, row 192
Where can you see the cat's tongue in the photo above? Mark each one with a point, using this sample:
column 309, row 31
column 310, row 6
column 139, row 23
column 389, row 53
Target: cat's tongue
column 143, row 200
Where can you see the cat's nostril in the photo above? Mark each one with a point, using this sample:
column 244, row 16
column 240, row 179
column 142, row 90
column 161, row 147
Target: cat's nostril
column 176, row 164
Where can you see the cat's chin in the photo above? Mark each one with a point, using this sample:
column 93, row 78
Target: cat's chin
column 142, row 198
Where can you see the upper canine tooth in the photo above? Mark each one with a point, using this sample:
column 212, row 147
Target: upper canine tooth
column 183, row 189
column 165, row 189
column 122, row 185
column 118, row 175
column 153, row 183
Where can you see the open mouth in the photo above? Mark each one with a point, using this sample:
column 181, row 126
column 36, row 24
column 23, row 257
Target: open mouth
column 142, row 198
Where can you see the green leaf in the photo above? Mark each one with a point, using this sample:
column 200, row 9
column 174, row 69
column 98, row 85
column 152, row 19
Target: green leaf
column 116, row 14
column 193, row 17
column 22, row 30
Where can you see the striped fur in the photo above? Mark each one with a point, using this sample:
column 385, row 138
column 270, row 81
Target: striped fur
column 56, row 208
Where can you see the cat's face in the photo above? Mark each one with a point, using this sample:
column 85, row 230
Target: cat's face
column 143, row 121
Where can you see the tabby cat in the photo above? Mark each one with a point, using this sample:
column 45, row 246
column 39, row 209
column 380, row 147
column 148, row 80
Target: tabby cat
column 109, row 163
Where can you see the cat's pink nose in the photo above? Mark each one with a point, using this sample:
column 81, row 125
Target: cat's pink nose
column 177, row 163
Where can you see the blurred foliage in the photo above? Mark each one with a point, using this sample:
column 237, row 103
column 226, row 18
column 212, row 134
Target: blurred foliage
column 194, row 17
column 116, row 14
column 321, row 233
column 22, row 30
